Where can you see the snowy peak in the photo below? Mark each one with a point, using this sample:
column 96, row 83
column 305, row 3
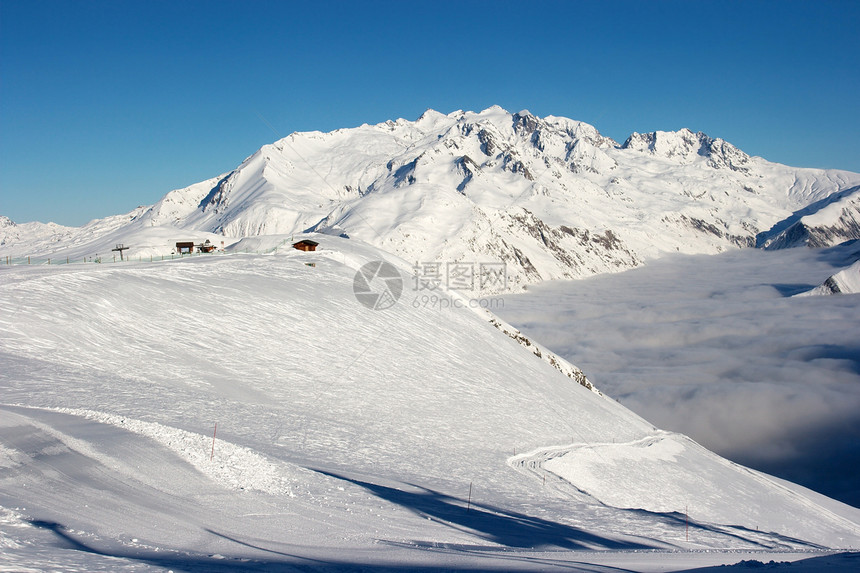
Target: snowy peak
column 8, row 230
column 685, row 146
column 13, row 234
column 536, row 130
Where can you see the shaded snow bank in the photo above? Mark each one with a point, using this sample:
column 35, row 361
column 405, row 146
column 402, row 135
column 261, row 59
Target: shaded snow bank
column 230, row 465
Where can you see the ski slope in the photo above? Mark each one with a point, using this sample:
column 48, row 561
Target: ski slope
column 416, row 437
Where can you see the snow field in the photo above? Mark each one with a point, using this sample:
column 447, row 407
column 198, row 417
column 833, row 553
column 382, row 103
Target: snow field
column 339, row 428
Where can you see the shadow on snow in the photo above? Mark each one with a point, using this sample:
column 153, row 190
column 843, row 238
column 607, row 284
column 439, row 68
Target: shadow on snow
column 508, row 529
column 519, row 531
column 283, row 562
column 503, row 527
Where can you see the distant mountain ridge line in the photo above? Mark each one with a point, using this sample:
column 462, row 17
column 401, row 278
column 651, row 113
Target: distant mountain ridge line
column 550, row 197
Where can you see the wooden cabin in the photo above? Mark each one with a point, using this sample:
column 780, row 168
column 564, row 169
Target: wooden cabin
column 183, row 247
column 306, row 245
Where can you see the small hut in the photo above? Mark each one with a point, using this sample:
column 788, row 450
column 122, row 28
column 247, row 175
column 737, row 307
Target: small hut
column 306, row 245
column 206, row 247
column 184, row 247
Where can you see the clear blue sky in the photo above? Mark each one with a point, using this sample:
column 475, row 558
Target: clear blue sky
column 108, row 105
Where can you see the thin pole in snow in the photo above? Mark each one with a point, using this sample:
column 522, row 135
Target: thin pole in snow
column 686, row 523
column 212, row 455
column 469, row 504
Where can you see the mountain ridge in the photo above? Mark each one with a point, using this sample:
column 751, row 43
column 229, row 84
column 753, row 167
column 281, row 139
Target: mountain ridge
column 550, row 197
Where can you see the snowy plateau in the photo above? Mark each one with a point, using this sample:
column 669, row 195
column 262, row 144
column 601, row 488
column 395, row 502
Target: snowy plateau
column 243, row 410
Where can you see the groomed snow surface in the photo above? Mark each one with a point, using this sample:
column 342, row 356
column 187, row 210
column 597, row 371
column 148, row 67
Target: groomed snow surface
column 420, row 437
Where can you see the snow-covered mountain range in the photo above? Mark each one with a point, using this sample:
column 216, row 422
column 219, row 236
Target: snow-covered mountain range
column 550, row 197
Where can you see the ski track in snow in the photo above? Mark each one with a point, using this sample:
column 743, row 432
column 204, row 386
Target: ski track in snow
column 535, row 462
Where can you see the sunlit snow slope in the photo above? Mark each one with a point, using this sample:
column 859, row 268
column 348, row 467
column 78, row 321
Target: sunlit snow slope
column 846, row 281
column 337, row 426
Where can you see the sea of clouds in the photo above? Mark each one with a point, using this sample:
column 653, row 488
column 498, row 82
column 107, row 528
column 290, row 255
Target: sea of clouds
column 718, row 348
